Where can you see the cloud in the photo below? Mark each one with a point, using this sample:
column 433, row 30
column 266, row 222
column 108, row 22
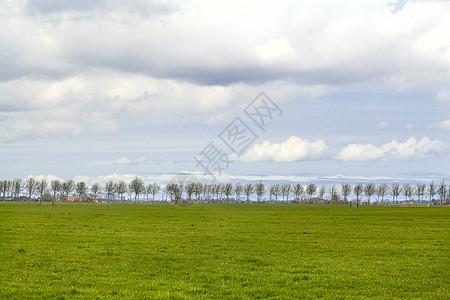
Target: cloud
column 123, row 161
column 135, row 162
column 442, row 125
column 382, row 124
column 37, row 127
column 83, row 178
column 49, row 178
column 209, row 43
column 443, row 95
column 81, row 64
column 293, row 149
column 138, row 7
column 99, row 102
column 102, row 179
column 411, row 149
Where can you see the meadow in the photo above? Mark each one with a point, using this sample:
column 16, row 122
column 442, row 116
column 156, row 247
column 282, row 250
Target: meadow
column 231, row 251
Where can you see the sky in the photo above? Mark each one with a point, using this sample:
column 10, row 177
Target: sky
column 300, row 91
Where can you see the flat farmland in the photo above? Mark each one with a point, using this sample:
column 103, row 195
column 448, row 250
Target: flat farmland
column 233, row 251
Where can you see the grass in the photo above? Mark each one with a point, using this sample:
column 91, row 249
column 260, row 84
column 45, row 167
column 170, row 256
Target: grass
column 164, row 251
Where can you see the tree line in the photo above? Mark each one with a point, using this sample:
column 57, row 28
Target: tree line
column 32, row 189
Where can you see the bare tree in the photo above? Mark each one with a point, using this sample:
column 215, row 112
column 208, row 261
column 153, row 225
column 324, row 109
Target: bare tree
column 155, row 188
column 55, row 186
column 381, row 191
column 238, row 190
column 369, row 190
column 271, row 192
column 221, row 191
column 17, row 188
column 41, row 189
column 30, row 187
column 169, row 191
column 442, row 191
column 322, row 190
column 190, row 189
column 334, row 196
column 137, row 187
column 164, row 192
column 95, row 189
column 407, row 191
column 396, row 190
column 432, row 191
column 248, row 191
column 260, row 190
column 311, row 189
column 110, row 188
column 275, row 190
column 298, row 191
column 120, row 188
column 3, row 189
column 81, row 189
column 179, row 192
column 346, row 190
column 228, row 190
column 5, row 186
column 216, row 188
column 416, row 191
column 67, row 188
column 420, row 191
column 206, row 191
column 129, row 192
column 198, row 191
column 285, row 191
column 9, row 187
column 358, row 190
column 147, row 191
column 175, row 191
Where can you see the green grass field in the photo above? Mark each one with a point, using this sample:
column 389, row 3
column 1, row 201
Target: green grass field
column 230, row 251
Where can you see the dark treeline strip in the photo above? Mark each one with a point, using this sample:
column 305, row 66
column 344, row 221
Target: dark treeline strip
column 32, row 189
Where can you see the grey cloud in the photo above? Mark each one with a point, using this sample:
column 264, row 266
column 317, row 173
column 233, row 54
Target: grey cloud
column 58, row 6
column 141, row 7
column 106, row 42
column 182, row 50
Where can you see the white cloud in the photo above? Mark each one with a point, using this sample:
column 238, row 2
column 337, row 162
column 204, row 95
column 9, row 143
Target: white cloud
column 32, row 126
column 127, row 161
column 442, row 125
column 96, row 102
column 443, row 95
column 231, row 42
column 102, row 179
column 83, row 178
column 123, row 161
column 382, row 124
column 293, row 149
column 79, row 65
column 49, row 178
column 275, row 50
column 411, row 149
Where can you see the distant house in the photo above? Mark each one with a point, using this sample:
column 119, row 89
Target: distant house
column 318, row 200
column 74, row 199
